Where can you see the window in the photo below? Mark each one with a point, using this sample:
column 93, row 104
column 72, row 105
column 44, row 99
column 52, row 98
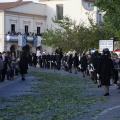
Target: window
column 59, row 10
column 88, row 4
column 38, row 30
column 26, row 29
column 13, row 28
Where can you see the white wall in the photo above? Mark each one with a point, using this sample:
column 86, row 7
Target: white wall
column 21, row 21
column 75, row 9
column 30, row 8
column 2, row 45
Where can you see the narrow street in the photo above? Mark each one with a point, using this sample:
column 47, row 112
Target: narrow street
column 108, row 110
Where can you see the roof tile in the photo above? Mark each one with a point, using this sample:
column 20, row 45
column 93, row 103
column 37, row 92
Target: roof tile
column 7, row 5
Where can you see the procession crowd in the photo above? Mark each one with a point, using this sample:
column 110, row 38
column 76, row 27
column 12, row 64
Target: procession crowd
column 101, row 67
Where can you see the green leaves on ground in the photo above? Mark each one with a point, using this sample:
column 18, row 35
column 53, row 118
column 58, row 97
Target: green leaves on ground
column 54, row 97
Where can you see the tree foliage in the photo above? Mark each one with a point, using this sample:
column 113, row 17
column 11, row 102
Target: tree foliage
column 70, row 36
column 112, row 14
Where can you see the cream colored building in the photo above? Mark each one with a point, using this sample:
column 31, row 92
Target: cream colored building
column 21, row 17
column 24, row 16
column 78, row 10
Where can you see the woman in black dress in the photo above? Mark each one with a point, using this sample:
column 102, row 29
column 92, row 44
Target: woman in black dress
column 23, row 65
column 83, row 63
column 105, row 70
column 75, row 63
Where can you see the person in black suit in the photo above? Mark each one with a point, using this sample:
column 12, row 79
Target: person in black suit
column 23, row 65
column 48, row 60
column 83, row 62
column 58, row 61
column 75, row 63
column 105, row 70
column 1, row 66
column 70, row 62
column 40, row 61
column 52, row 60
column 5, row 65
column 64, row 62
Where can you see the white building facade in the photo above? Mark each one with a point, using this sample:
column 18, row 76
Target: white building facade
column 78, row 10
column 28, row 17
column 20, row 18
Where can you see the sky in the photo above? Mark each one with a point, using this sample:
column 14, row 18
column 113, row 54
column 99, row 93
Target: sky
column 15, row 0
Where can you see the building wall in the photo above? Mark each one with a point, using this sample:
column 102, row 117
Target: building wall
column 41, row 15
column 76, row 9
column 30, row 8
column 20, row 21
column 2, row 44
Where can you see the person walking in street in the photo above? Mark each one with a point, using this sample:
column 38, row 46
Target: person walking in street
column 58, row 61
column 1, row 66
column 75, row 63
column 83, row 63
column 5, row 65
column 23, row 65
column 70, row 62
column 105, row 70
column 116, row 63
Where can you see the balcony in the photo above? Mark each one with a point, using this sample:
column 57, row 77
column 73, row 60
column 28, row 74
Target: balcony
column 14, row 38
column 88, row 0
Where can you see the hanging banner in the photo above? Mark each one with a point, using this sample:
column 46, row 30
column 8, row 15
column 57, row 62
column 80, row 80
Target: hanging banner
column 35, row 40
column 24, row 37
column 22, row 40
column 39, row 39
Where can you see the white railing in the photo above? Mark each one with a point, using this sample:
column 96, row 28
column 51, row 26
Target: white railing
column 15, row 38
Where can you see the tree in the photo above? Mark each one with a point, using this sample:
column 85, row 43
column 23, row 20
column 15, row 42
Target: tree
column 68, row 35
column 111, row 8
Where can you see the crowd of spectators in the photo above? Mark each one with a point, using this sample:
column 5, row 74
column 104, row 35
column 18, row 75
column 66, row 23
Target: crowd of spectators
column 28, row 34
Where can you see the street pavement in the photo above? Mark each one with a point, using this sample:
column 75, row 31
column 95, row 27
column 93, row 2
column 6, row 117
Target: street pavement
column 110, row 109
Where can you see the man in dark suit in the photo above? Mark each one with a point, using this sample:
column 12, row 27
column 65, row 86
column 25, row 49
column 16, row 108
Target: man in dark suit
column 5, row 65
column 48, row 60
column 58, row 61
column 1, row 67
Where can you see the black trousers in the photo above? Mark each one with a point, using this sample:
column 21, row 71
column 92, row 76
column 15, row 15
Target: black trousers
column 3, row 74
column 115, row 76
column 0, row 74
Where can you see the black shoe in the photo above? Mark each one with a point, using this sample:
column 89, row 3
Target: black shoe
column 84, row 76
column 106, row 94
column 99, row 86
column 23, row 79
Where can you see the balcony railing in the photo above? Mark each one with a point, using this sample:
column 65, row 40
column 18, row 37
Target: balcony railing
column 14, row 38
column 36, row 40
column 89, row 0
